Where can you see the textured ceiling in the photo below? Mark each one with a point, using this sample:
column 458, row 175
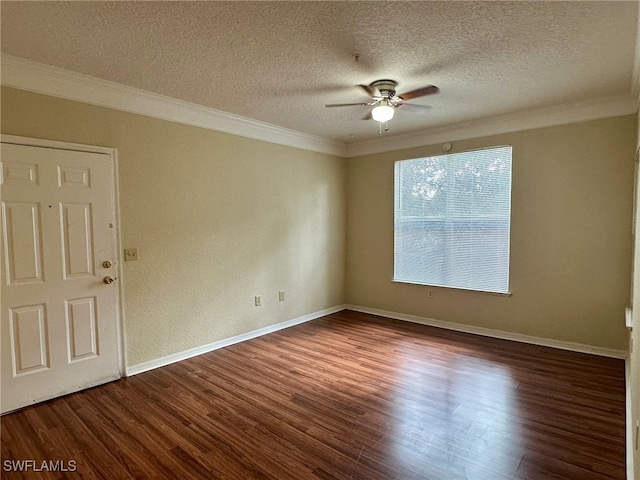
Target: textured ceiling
column 281, row 62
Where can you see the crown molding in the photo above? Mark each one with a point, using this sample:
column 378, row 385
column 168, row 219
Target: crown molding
column 36, row 77
column 514, row 122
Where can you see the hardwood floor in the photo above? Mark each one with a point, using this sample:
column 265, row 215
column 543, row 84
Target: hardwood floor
column 347, row 396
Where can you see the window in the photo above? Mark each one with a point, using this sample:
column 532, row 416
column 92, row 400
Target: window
column 452, row 220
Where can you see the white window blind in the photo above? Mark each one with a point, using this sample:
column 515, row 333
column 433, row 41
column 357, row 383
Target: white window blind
column 453, row 219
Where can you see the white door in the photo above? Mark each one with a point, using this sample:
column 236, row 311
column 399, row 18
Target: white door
column 59, row 316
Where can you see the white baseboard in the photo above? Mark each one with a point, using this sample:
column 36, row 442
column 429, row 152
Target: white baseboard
column 488, row 332
column 177, row 357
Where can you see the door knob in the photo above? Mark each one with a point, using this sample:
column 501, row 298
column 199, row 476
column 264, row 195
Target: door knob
column 108, row 280
column 107, row 264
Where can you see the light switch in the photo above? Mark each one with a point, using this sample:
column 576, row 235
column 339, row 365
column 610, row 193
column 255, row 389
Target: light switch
column 130, row 254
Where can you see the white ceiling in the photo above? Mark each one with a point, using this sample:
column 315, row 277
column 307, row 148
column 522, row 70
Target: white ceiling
column 281, row 62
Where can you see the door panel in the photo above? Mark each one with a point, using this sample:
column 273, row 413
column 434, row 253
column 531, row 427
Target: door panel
column 73, row 177
column 29, row 341
column 81, row 328
column 59, row 319
column 23, row 253
column 77, row 241
column 19, row 173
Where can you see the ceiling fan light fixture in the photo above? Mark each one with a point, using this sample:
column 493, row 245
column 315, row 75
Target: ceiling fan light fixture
column 382, row 113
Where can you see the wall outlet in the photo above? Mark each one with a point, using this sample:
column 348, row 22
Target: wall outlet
column 281, row 295
column 258, row 300
column 130, row 254
column 430, row 294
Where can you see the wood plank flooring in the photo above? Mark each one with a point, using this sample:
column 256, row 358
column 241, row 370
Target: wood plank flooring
column 348, row 396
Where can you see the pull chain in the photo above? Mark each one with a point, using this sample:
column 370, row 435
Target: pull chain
column 386, row 127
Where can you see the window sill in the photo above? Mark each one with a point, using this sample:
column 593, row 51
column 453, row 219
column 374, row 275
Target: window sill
column 484, row 292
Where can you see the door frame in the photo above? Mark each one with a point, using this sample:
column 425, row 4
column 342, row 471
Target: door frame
column 115, row 209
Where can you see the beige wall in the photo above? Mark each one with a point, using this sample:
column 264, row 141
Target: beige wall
column 570, row 236
column 217, row 219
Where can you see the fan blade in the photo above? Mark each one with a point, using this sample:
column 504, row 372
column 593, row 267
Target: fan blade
column 414, row 106
column 348, row 105
column 371, row 91
column 419, row 92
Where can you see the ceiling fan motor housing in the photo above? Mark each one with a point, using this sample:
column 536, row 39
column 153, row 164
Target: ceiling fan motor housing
column 387, row 88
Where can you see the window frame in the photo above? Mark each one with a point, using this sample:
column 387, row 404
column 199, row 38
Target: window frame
column 450, row 220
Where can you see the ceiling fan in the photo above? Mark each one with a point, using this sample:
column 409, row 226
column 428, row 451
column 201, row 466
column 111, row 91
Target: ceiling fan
column 384, row 99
